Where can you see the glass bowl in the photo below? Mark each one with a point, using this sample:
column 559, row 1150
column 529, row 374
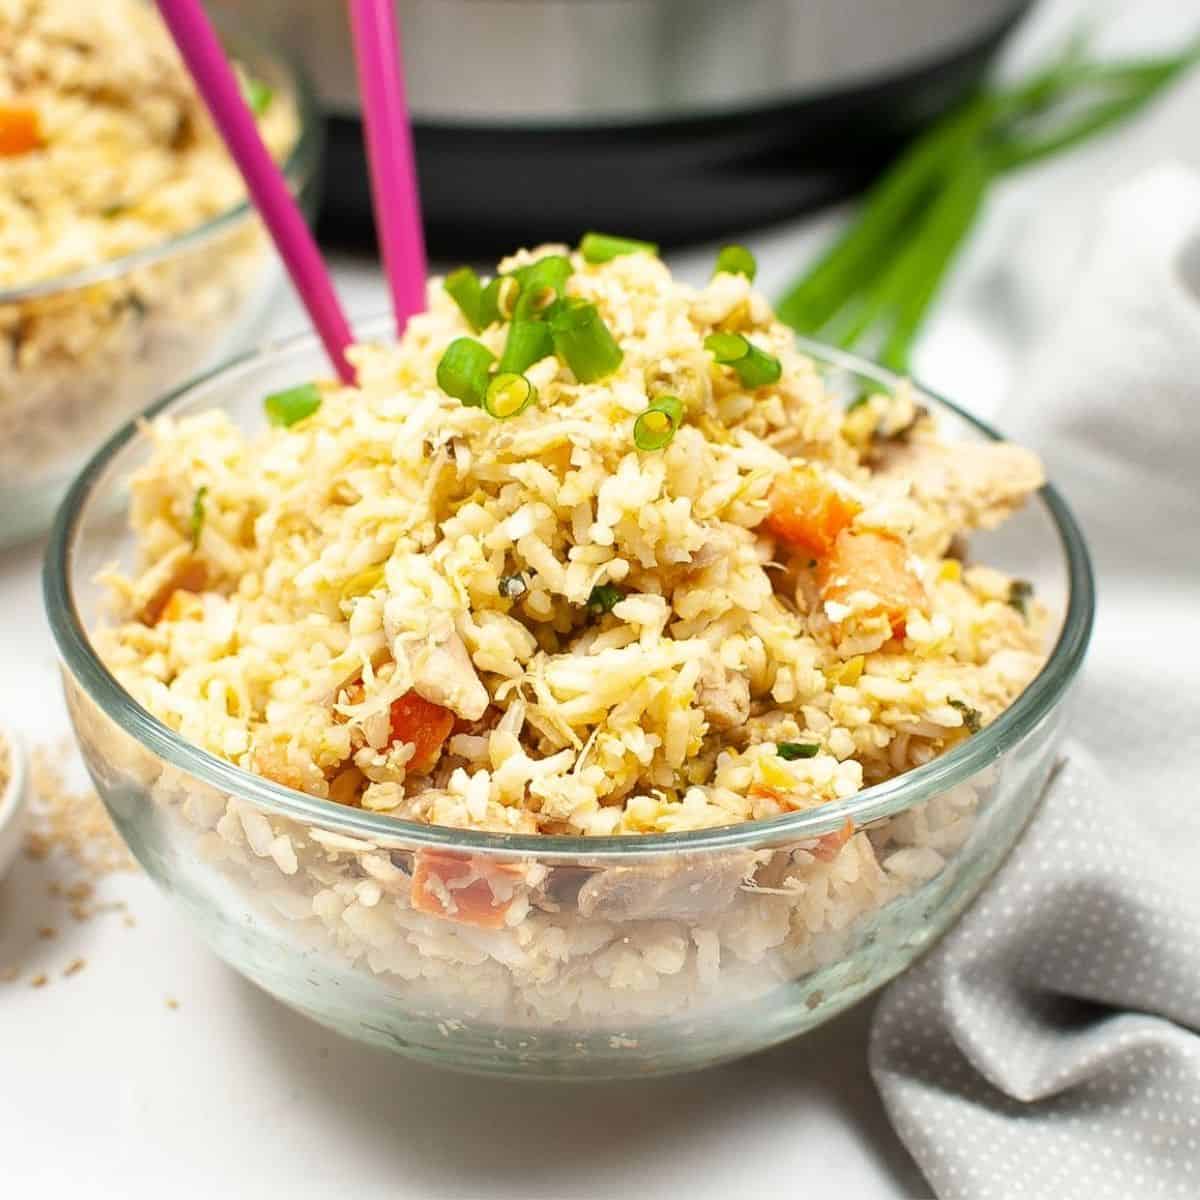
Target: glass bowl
column 86, row 351
column 621, row 956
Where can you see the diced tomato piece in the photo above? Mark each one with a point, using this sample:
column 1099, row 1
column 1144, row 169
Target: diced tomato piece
column 20, row 130
column 869, row 561
column 459, row 889
column 808, row 512
column 829, row 845
column 423, row 725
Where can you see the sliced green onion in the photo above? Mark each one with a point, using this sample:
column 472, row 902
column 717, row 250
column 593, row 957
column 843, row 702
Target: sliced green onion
column 512, row 586
column 489, row 302
column 196, row 524
column 508, row 292
column 287, row 407
column 655, row 428
column 258, row 95
column 1020, row 592
column 754, row 367
column 736, row 260
column 508, row 395
column 866, row 391
column 541, row 282
column 465, row 288
column 603, row 598
column 528, row 342
column 603, row 247
column 463, row 371
column 972, row 717
column 790, row 751
column 582, row 340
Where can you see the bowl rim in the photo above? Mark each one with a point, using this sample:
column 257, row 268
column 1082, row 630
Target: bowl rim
column 872, row 804
column 299, row 167
column 13, row 796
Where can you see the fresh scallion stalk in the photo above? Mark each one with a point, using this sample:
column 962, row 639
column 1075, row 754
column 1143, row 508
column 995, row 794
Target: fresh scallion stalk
column 288, row 407
column 463, row 369
column 508, row 395
column 528, row 342
column 582, row 340
column 736, row 260
column 655, row 428
column 755, row 368
column 603, row 247
column 465, row 288
column 542, row 283
column 489, row 303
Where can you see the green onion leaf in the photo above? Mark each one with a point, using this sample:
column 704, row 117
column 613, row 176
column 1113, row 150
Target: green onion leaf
column 790, row 751
column 582, row 340
column 528, row 342
column 512, row 586
column 602, row 247
column 287, row 407
column 972, row 717
column 489, row 303
column 1020, row 592
column 603, row 598
column 466, row 290
column 755, row 368
column 655, row 428
column 736, row 260
column 196, row 524
column 258, row 95
column 463, row 371
column 542, row 283
column 508, row 395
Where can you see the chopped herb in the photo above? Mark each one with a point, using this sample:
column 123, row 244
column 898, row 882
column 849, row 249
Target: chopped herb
column 755, row 368
column 528, row 342
column 972, row 717
column 465, row 288
column 508, row 292
column 489, row 303
column 258, row 95
column 602, row 247
column 582, row 340
column 463, row 370
column 790, row 751
column 541, row 283
column 736, row 260
column 508, row 395
column 512, row 586
column 604, row 598
column 196, row 524
column 287, row 407
column 1020, row 592
column 858, row 401
column 655, row 428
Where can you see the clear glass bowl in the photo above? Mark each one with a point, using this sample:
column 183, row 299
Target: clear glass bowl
column 86, row 351
column 621, row 956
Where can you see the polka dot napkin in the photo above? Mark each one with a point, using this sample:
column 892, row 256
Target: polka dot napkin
column 1048, row 1046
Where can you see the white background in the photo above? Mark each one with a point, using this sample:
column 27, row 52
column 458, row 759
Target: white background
column 106, row 1090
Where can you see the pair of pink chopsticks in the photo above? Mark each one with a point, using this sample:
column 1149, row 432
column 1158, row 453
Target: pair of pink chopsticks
column 389, row 148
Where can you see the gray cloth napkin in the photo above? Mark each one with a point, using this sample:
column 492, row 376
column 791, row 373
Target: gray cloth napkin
column 1048, row 1046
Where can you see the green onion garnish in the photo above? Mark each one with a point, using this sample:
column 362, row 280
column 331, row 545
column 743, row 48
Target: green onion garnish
column 790, row 751
column 508, row 292
column 287, row 407
column 1020, row 592
column 528, row 342
column 512, row 586
column 582, row 340
column 196, row 524
column 972, row 717
column 541, row 282
column 257, row 95
column 603, row 598
column 736, row 260
column 602, row 247
column 655, row 428
column 508, row 395
column 754, row 367
column 489, row 303
column 463, row 371
column 466, row 290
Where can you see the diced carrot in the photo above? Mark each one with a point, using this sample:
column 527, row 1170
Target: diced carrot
column 829, row 845
column 423, row 725
column 182, row 606
column 869, row 561
column 807, row 512
column 459, row 889
column 190, row 575
column 20, row 130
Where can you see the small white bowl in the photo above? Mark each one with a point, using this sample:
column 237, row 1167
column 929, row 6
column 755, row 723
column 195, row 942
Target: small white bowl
column 13, row 800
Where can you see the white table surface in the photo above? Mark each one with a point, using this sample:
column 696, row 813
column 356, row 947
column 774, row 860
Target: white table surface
column 106, row 1090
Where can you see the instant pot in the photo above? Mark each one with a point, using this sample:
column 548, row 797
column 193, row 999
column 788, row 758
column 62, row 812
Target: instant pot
column 673, row 120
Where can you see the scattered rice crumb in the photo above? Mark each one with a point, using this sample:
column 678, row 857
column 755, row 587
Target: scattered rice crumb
column 172, row 1003
column 9, row 974
column 38, row 981
column 47, row 932
column 74, row 966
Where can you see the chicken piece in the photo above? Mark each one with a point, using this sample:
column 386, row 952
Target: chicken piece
column 442, row 671
column 724, row 696
column 959, row 486
column 684, row 890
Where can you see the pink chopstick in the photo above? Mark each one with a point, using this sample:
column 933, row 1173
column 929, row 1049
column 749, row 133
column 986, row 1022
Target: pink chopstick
column 394, row 192
column 216, row 82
